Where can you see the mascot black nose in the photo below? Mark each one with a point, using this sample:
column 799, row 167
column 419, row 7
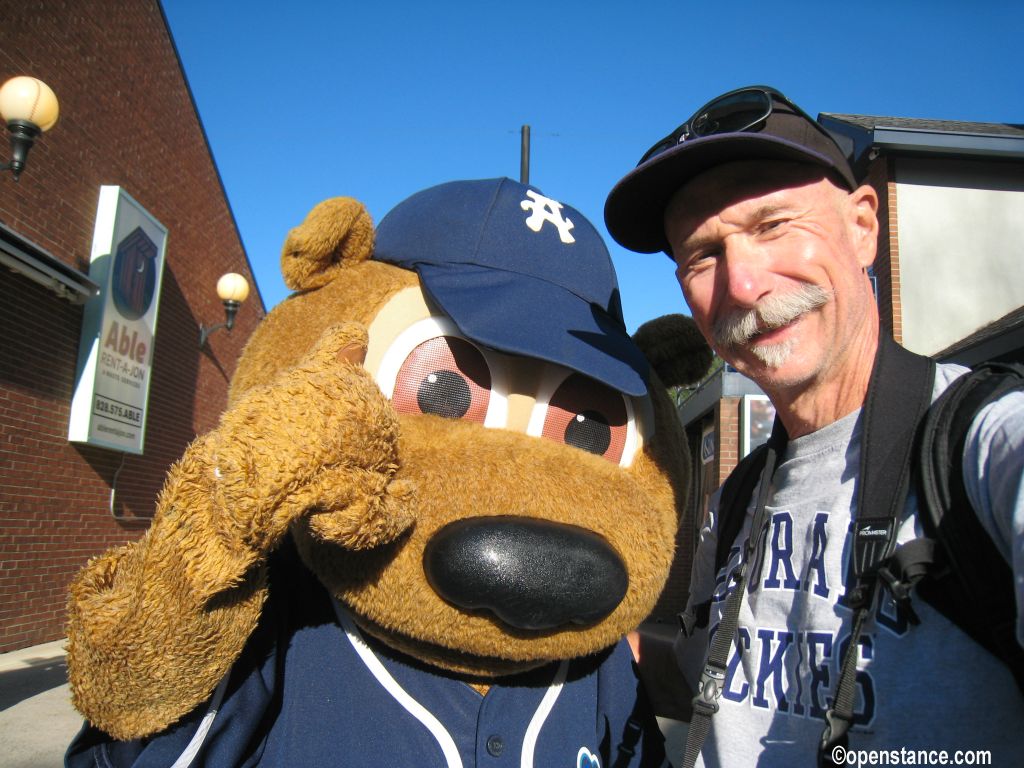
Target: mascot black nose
column 532, row 574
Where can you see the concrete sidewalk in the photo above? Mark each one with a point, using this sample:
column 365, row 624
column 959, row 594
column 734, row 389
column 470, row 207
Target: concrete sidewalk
column 37, row 721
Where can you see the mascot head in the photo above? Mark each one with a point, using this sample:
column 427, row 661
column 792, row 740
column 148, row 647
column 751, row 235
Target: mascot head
column 546, row 464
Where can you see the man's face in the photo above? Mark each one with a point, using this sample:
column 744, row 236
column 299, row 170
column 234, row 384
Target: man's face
column 771, row 259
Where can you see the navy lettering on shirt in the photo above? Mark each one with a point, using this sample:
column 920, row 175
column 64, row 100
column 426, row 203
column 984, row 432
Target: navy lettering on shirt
column 784, row 659
column 728, row 692
column 781, row 554
column 798, row 701
column 797, row 672
column 770, row 667
column 819, row 657
column 816, row 572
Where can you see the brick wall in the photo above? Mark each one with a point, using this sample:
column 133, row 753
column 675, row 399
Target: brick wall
column 887, row 262
column 127, row 119
column 728, row 436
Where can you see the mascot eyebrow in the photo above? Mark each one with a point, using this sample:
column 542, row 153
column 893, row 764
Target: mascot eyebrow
column 441, row 569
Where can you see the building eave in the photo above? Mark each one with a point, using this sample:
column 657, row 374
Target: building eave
column 24, row 257
column 888, row 136
column 938, row 142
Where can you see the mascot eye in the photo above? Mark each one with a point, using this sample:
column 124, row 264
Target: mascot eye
column 445, row 376
column 588, row 415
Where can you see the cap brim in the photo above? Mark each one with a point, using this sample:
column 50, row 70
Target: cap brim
column 635, row 209
column 526, row 316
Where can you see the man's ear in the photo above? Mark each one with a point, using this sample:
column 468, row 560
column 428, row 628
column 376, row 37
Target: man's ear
column 862, row 215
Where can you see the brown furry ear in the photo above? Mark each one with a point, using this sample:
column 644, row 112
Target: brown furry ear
column 336, row 231
column 674, row 348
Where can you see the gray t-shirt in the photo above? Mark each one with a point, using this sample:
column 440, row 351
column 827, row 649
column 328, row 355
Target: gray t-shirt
column 918, row 687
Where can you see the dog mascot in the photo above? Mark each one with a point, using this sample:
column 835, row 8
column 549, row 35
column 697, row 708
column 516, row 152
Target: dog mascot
column 447, row 483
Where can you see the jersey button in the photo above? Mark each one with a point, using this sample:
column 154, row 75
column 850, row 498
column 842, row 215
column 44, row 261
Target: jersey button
column 495, row 746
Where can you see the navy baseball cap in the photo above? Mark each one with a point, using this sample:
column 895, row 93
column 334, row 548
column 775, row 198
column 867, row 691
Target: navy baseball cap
column 518, row 272
column 752, row 123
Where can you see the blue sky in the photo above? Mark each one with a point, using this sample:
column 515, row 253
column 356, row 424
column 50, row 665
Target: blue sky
column 313, row 99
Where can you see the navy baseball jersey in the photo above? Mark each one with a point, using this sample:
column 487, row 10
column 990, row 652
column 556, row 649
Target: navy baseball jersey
column 311, row 689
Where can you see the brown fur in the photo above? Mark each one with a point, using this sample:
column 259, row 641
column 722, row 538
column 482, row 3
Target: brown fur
column 336, row 234
column 155, row 625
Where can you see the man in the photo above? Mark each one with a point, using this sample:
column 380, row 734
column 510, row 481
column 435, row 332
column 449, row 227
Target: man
column 773, row 237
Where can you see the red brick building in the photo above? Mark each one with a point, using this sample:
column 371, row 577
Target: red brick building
column 127, row 119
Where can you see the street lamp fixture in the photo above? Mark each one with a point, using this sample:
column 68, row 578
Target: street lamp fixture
column 29, row 107
column 232, row 289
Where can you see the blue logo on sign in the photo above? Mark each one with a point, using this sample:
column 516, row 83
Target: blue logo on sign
column 134, row 275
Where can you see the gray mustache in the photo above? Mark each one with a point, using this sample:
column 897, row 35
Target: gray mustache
column 774, row 311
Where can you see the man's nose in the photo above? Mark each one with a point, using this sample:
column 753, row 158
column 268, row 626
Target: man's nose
column 743, row 273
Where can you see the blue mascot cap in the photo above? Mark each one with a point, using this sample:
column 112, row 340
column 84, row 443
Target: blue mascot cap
column 517, row 272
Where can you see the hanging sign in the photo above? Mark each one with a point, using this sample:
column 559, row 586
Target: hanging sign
column 115, row 352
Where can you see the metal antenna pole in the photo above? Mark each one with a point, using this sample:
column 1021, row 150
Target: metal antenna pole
column 524, row 155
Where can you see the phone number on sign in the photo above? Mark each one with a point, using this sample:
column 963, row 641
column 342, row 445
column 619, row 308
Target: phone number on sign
column 843, row 756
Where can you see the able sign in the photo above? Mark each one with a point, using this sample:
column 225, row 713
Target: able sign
column 115, row 353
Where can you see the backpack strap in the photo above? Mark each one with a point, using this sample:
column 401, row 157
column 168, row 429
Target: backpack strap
column 737, row 491
column 898, row 397
column 712, row 679
column 971, row 584
column 899, row 394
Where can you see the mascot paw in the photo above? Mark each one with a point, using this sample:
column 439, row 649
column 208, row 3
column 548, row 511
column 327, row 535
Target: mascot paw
column 322, row 438
column 367, row 514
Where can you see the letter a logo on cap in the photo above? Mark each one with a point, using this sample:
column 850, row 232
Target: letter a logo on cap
column 546, row 209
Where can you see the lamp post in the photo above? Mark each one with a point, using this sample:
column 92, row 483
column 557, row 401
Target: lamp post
column 29, row 107
column 524, row 154
column 232, row 289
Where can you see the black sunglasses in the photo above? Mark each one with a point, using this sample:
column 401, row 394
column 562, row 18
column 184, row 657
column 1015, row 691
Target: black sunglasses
column 732, row 112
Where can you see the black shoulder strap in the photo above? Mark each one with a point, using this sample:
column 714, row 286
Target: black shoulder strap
column 737, row 492
column 709, row 687
column 897, row 399
column 972, row 585
column 899, row 394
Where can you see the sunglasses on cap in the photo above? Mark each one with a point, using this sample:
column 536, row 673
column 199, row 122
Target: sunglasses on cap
column 733, row 112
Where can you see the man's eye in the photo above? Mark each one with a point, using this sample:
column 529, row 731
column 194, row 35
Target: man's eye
column 702, row 258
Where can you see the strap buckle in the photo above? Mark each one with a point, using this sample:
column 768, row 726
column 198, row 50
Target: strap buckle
column 709, row 689
column 834, row 735
column 900, row 589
